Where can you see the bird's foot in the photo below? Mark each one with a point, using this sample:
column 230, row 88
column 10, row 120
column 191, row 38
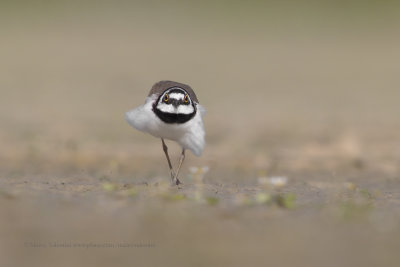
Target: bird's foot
column 176, row 182
column 179, row 184
column 174, row 179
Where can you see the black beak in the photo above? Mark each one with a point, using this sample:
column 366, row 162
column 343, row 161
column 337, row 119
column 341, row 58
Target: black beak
column 175, row 102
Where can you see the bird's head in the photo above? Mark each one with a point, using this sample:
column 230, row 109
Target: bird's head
column 175, row 105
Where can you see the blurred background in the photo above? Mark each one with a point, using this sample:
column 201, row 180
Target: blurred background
column 313, row 71
column 304, row 89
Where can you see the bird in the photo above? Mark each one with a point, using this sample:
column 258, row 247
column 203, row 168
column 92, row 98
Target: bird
column 172, row 112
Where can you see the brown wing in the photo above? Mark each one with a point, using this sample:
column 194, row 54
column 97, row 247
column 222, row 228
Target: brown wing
column 161, row 86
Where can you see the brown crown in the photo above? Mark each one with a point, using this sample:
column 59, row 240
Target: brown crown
column 162, row 86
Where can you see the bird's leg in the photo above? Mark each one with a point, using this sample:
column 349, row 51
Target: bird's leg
column 165, row 148
column 179, row 167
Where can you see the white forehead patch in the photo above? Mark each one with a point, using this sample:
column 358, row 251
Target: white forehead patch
column 177, row 96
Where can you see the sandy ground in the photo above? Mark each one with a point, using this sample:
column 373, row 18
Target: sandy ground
column 317, row 105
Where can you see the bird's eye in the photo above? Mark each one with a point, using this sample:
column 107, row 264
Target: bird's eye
column 186, row 98
column 166, row 97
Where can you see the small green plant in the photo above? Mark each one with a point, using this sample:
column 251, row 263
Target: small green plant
column 358, row 204
column 212, row 201
column 272, row 192
column 350, row 210
column 109, row 187
column 174, row 197
column 263, row 198
column 285, row 200
column 132, row 192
